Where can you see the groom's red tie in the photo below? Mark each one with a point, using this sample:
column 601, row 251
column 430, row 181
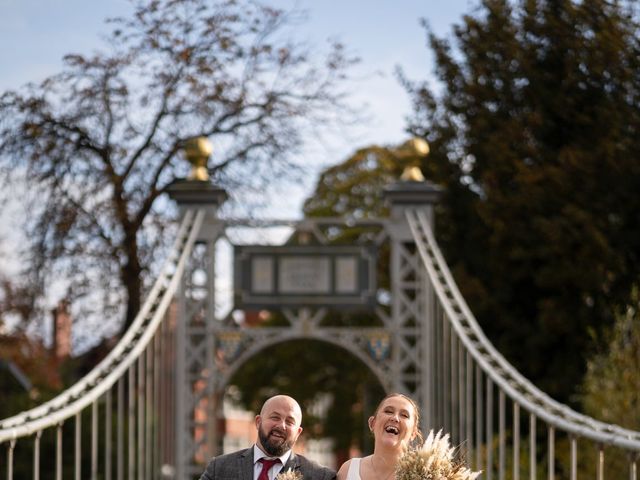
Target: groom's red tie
column 266, row 465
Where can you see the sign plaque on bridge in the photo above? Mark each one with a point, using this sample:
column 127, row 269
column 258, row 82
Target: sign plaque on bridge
column 299, row 276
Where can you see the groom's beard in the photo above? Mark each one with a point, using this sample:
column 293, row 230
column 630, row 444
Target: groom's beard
column 275, row 446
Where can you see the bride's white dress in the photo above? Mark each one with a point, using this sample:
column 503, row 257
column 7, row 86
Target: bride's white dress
column 354, row 469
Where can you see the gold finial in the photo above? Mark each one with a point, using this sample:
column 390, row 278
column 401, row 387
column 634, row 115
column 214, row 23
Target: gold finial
column 412, row 174
column 415, row 147
column 418, row 145
column 197, row 151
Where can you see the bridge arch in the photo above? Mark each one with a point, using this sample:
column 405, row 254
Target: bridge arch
column 226, row 374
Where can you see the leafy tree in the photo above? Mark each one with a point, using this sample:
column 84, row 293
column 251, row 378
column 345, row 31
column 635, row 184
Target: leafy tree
column 98, row 144
column 352, row 189
column 611, row 389
column 533, row 127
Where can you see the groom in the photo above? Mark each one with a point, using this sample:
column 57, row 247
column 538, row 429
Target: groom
column 278, row 429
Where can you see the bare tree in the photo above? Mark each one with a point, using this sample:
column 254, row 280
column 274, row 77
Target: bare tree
column 98, row 144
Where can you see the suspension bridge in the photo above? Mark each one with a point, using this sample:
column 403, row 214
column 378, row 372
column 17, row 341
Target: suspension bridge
column 151, row 408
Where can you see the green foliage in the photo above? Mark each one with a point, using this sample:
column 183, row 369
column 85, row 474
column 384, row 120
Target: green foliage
column 611, row 388
column 352, row 189
column 533, row 131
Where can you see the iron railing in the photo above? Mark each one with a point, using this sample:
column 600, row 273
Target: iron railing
column 468, row 372
column 127, row 398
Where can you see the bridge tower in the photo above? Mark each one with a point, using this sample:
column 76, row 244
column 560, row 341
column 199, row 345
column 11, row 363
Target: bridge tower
column 209, row 349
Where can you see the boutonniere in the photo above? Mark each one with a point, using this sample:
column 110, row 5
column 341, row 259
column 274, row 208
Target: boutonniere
column 433, row 461
column 289, row 475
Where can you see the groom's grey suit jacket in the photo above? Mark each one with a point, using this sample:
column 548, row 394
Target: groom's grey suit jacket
column 239, row 466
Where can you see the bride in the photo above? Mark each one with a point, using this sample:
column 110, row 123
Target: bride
column 394, row 425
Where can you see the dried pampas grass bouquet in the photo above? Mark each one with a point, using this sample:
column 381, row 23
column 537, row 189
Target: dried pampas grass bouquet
column 433, row 461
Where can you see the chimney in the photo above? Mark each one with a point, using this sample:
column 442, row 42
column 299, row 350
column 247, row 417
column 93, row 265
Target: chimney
column 61, row 331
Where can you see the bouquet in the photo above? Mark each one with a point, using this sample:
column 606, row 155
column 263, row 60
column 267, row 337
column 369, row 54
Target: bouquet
column 289, row 475
column 433, row 461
